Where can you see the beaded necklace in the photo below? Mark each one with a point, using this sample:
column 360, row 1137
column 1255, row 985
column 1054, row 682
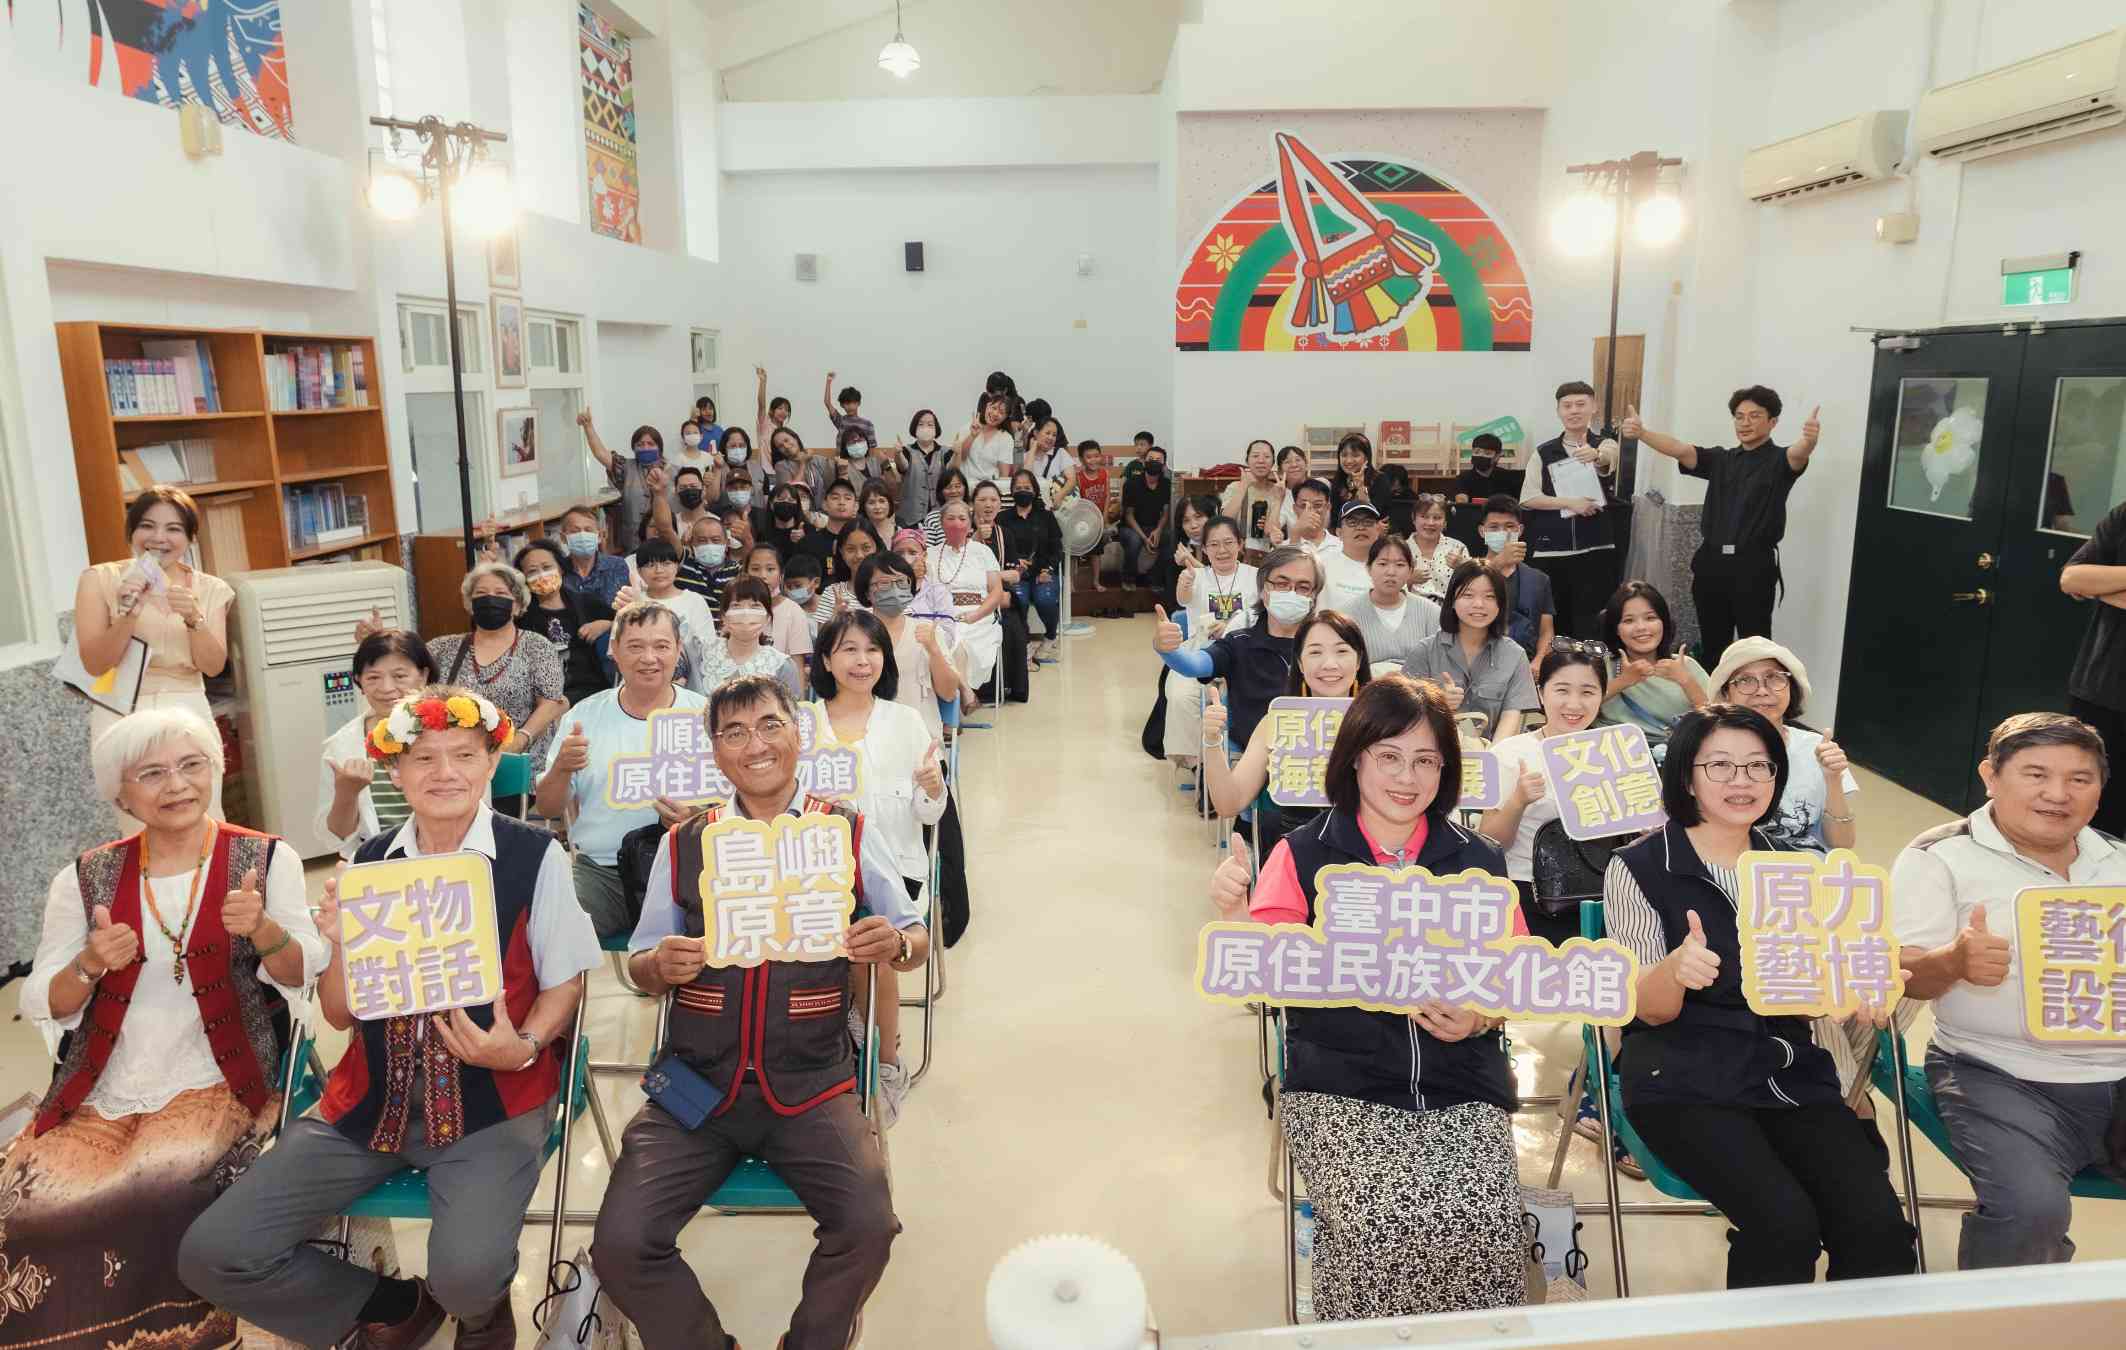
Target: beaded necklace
column 184, row 922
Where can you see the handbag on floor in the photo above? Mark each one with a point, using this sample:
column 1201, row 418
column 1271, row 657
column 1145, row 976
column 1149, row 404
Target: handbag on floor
column 577, row 1313
column 1568, row 870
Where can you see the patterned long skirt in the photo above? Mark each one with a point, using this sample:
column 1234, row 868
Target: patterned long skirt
column 91, row 1213
column 1414, row 1211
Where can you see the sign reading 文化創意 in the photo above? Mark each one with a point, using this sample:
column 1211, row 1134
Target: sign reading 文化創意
column 1604, row 781
column 1395, row 939
column 418, row 935
column 1816, row 935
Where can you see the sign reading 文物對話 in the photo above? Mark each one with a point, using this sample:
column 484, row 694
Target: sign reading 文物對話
column 681, row 763
column 2070, row 943
column 1816, row 935
column 1394, row 939
column 419, row 935
column 1604, row 781
column 781, row 890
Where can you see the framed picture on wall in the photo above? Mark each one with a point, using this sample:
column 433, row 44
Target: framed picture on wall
column 505, row 265
column 509, row 341
column 517, row 438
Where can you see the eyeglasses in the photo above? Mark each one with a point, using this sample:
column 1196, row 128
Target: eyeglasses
column 1394, row 763
column 1723, row 770
column 1283, row 585
column 1753, row 415
column 1591, row 649
column 1778, row 682
column 1429, row 497
column 192, row 768
column 767, row 729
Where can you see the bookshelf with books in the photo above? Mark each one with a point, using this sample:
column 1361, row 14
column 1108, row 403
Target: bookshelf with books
column 275, row 486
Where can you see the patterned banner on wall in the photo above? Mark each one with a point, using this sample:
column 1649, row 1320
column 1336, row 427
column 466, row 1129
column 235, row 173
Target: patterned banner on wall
column 1355, row 253
column 609, row 129
column 227, row 56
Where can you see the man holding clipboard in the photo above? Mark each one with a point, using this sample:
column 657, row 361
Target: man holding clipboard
column 1571, row 526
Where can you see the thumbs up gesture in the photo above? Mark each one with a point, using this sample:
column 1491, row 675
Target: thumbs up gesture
column 1694, row 965
column 1214, row 718
column 110, row 945
column 243, row 910
column 575, row 755
column 1452, row 693
column 1232, row 881
column 928, row 775
column 1631, row 428
column 1167, row 637
column 1812, row 428
column 1981, row 957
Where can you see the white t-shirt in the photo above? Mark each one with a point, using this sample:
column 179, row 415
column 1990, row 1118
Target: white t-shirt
column 1798, row 824
column 1518, row 755
column 1214, row 599
column 613, row 731
column 988, row 457
column 964, row 572
column 1346, row 582
column 1047, row 468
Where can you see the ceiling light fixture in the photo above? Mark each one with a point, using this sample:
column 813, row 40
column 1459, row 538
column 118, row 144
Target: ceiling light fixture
column 897, row 57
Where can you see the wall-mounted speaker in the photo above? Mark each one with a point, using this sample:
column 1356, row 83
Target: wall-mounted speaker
column 914, row 252
column 808, row 267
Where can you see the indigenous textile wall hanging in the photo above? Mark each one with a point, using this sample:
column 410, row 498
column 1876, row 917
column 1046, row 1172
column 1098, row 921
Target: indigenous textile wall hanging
column 1358, row 253
column 227, row 55
column 609, row 129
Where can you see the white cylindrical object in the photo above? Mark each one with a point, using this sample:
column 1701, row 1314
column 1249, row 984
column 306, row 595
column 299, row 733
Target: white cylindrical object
column 1066, row 1292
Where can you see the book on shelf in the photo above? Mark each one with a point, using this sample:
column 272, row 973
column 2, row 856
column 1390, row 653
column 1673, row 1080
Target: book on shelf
column 173, row 462
column 192, row 366
column 311, row 376
column 223, row 547
column 149, row 386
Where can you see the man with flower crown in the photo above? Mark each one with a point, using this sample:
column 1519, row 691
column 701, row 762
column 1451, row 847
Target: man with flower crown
column 466, row 1096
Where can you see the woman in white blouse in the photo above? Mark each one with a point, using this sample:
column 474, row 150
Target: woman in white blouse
column 355, row 795
column 968, row 569
column 984, row 450
column 901, row 778
column 1434, row 554
column 172, row 1088
column 1216, row 588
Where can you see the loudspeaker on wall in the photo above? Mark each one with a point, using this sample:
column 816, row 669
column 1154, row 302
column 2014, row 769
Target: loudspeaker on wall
column 914, row 254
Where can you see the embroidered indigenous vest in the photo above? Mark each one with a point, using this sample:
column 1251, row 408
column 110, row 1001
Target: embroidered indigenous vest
column 369, row 1097
column 785, row 1021
column 236, row 1007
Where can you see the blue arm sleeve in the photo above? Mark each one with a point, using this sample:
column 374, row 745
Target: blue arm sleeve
column 1196, row 665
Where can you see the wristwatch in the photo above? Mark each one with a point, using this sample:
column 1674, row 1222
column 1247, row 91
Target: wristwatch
column 533, row 1057
column 82, row 972
column 907, row 950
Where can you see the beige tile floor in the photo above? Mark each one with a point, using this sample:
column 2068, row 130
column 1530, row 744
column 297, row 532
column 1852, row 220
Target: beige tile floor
column 1079, row 1086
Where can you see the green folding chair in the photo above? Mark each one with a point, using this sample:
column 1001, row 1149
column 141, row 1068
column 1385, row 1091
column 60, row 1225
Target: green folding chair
column 513, row 778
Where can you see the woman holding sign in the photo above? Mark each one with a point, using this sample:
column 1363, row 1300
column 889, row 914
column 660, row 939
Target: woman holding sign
column 1332, row 664
column 166, row 1086
column 1401, row 1125
column 1744, row 1107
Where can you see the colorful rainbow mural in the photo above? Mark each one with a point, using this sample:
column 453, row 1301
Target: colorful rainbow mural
column 1399, row 259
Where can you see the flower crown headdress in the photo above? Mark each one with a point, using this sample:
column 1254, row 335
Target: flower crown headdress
column 423, row 713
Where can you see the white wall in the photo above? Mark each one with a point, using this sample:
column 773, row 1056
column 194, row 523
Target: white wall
column 1000, row 290
column 873, row 134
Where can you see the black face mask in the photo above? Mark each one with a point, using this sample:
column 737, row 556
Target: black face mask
column 491, row 612
column 1023, row 498
column 1482, row 463
column 690, row 497
column 1154, row 467
column 786, row 513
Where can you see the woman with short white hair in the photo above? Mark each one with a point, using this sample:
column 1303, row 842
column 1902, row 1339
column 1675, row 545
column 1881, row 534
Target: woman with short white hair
column 519, row 673
column 158, row 984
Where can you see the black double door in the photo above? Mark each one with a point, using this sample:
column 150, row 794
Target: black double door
column 1991, row 455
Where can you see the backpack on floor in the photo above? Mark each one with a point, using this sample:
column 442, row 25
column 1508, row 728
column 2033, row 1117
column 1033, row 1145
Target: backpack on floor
column 1154, row 738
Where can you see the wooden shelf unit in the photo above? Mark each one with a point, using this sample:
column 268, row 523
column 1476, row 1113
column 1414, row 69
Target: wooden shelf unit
column 258, row 453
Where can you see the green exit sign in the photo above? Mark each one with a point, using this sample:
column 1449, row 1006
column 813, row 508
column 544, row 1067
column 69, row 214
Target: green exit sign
column 2044, row 286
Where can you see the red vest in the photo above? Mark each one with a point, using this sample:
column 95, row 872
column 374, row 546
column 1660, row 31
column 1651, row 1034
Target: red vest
column 236, row 1007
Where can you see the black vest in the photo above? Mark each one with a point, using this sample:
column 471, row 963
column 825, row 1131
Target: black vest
column 1549, row 532
column 1717, row 1052
column 1385, row 1057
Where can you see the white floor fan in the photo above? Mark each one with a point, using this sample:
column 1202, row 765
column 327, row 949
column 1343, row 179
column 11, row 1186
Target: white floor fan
column 1084, row 533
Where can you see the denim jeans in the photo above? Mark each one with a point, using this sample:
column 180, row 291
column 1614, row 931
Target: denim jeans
column 1042, row 598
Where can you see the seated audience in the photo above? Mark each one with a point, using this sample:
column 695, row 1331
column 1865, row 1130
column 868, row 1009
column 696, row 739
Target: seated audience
column 572, row 620
column 1256, row 498
column 579, row 770
column 1483, row 479
column 803, row 578
column 1569, row 684
column 858, row 541
column 1033, row 545
column 355, row 795
column 846, row 411
column 591, row 570
column 178, row 611
column 1014, row 663
column 1343, row 557
column 795, row 1107
column 1185, row 527
column 1292, row 470
column 1401, row 1125
column 1311, row 502
column 984, row 448
column 1655, row 680
column 951, row 488
column 1331, row 663
column 691, row 498
column 923, row 465
column 707, row 563
column 742, row 647
column 165, row 1088
column 1531, row 612
column 1815, row 803
column 522, row 678
column 487, row 1080
column 1147, row 503
column 1477, row 666
column 789, row 623
column 1745, row 1108
column 657, row 570
column 1254, row 660
column 933, row 601
column 1395, row 620
column 971, row 573
column 2025, row 1116
column 1434, row 552
column 874, row 502
column 1217, row 590
column 1049, row 459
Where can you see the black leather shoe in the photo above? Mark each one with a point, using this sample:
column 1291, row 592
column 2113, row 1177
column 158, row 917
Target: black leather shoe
column 413, row 1332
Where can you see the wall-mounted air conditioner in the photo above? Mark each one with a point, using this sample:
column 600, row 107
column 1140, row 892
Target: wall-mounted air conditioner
column 295, row 676
column 2062, row 93
column 1858, row 150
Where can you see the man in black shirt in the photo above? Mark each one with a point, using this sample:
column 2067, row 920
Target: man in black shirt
column 1145, row 499
column 1483, row 479
column 1736, row 571
column 2096, row 687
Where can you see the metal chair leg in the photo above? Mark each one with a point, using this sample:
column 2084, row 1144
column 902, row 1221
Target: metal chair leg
column 563, row 1157
column 1291, row 1233
column 1566, row 1116
column 1598, row 1057
column 605, row 1129
column 1904, row 1148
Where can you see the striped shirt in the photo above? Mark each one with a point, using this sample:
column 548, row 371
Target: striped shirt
column 391, row 805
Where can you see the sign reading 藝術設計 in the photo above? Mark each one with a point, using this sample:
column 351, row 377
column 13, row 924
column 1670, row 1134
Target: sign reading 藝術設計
column 1396, row 939
column 2070, row 955
column 418, row 935
column 2043, row 286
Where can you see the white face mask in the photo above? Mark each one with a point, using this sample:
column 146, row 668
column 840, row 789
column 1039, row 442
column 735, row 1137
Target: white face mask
column 692, row 439
column 745, row 620
column 856, row 450
column 1288, row 606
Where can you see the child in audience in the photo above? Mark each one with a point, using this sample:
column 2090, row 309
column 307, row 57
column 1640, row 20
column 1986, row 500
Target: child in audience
column 769, row 413
column 656, row 566
column 845, row 411
column 802, row 576
column 705, row 418
column 857, row 542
